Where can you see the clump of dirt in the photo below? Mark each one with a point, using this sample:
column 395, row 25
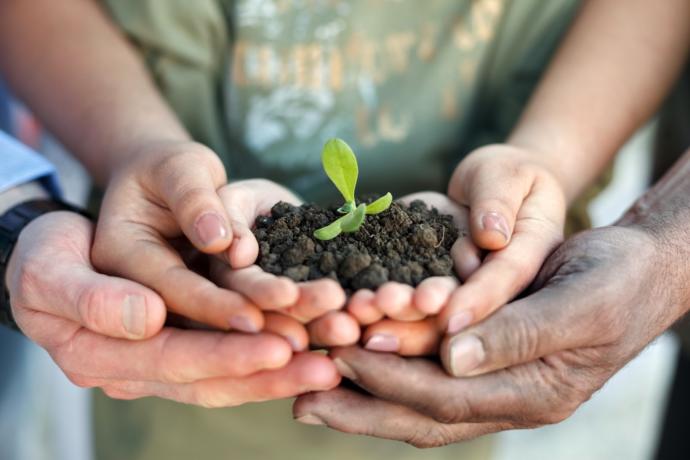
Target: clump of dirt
column 403, row 244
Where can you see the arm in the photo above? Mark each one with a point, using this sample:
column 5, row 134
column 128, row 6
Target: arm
column 68, row 62
column 610, row 74
column 81, row 77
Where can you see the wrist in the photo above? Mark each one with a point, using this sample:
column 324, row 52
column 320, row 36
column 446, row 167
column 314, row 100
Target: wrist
column 558, row 152
column 663, row 213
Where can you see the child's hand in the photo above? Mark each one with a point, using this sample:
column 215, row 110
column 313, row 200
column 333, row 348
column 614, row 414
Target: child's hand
column 410, row 327
column 517, row 211
column 287, row 305
column 167, row 191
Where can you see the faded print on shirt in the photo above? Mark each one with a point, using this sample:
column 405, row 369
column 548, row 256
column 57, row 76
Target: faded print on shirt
column 394, row 78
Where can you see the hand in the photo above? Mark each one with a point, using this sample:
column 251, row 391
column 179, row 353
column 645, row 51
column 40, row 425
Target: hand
column 85, row 320
column 165, row 192
column 606, row 294
column 313, row 303
column 517, row 211
column 406, row 329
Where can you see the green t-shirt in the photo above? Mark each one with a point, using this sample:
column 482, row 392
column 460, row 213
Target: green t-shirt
column 411, row 85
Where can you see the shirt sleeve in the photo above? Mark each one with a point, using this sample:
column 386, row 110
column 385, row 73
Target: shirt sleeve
column 19, row 165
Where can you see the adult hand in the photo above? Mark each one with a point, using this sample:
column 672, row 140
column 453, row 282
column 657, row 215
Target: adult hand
column 164, row 192
column 603, row 296
column 86, row 321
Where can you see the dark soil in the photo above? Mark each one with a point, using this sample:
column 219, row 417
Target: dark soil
column 403, row 244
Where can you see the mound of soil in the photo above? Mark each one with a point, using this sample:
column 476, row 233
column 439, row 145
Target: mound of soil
column 403, row 244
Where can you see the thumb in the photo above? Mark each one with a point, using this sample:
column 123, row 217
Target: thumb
column 546, row 322
column 49, row 272
column 188, row 184
column 494, row 197
column 112, row 306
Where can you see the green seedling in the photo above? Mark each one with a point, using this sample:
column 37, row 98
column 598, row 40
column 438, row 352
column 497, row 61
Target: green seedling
column 340, row 165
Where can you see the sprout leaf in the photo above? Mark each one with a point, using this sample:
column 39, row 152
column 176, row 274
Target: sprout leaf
column 380, row 205
column 340, row 164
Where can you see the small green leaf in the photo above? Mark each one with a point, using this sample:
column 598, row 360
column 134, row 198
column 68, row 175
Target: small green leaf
column 380, row 205
column 353, row 221
column 331, row 230
column 340, row 165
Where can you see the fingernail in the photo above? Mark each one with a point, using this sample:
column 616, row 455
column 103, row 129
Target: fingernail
column 345, row 369
column 210, row 228
column 459, row 321
column 134, row 316
column 383, row 342
column 310, row 419
column 294, row 344
column 496, row 222
column 466, row 354
column 242, row 323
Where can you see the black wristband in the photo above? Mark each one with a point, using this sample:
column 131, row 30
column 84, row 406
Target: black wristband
column 12, row 223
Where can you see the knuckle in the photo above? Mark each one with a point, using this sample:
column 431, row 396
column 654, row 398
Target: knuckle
column 562, row 393
column 454, row 411
column 116, row 393
column 81, row 381
column 428, row 437
column 212, row 400
column 28, row 283
column 519, row 341
column 172, row 166
column 92, row 308
column 191, row 198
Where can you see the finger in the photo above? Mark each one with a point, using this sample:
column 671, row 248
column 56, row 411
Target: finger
column 244, row 249
column 188, row 184
column 68, row 287
column 355, row 413
column 361, row 307
column 395, row 301
column 407, row 338
column 316, row 298
column 244, row 201
column 172, row 356
column 525, row 330
column 288, row 328
column 433, row 293
column 146, row 259
column 304, row 373
column 530, row 394
column 467, row 257
column 267, row 291
column 503, row 275
column 335, row 328
column 494, row 196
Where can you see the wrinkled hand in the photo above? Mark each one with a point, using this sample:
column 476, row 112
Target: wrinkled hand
column 605, row 295
column 86, row 321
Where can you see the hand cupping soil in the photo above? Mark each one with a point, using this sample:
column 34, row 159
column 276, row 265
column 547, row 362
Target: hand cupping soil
column 404, row 243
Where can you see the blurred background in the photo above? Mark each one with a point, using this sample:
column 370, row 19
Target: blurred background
column 44, row 417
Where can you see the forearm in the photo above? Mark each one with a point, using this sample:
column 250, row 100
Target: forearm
column 664, row 212
column 610, row 74
column 84, row 81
